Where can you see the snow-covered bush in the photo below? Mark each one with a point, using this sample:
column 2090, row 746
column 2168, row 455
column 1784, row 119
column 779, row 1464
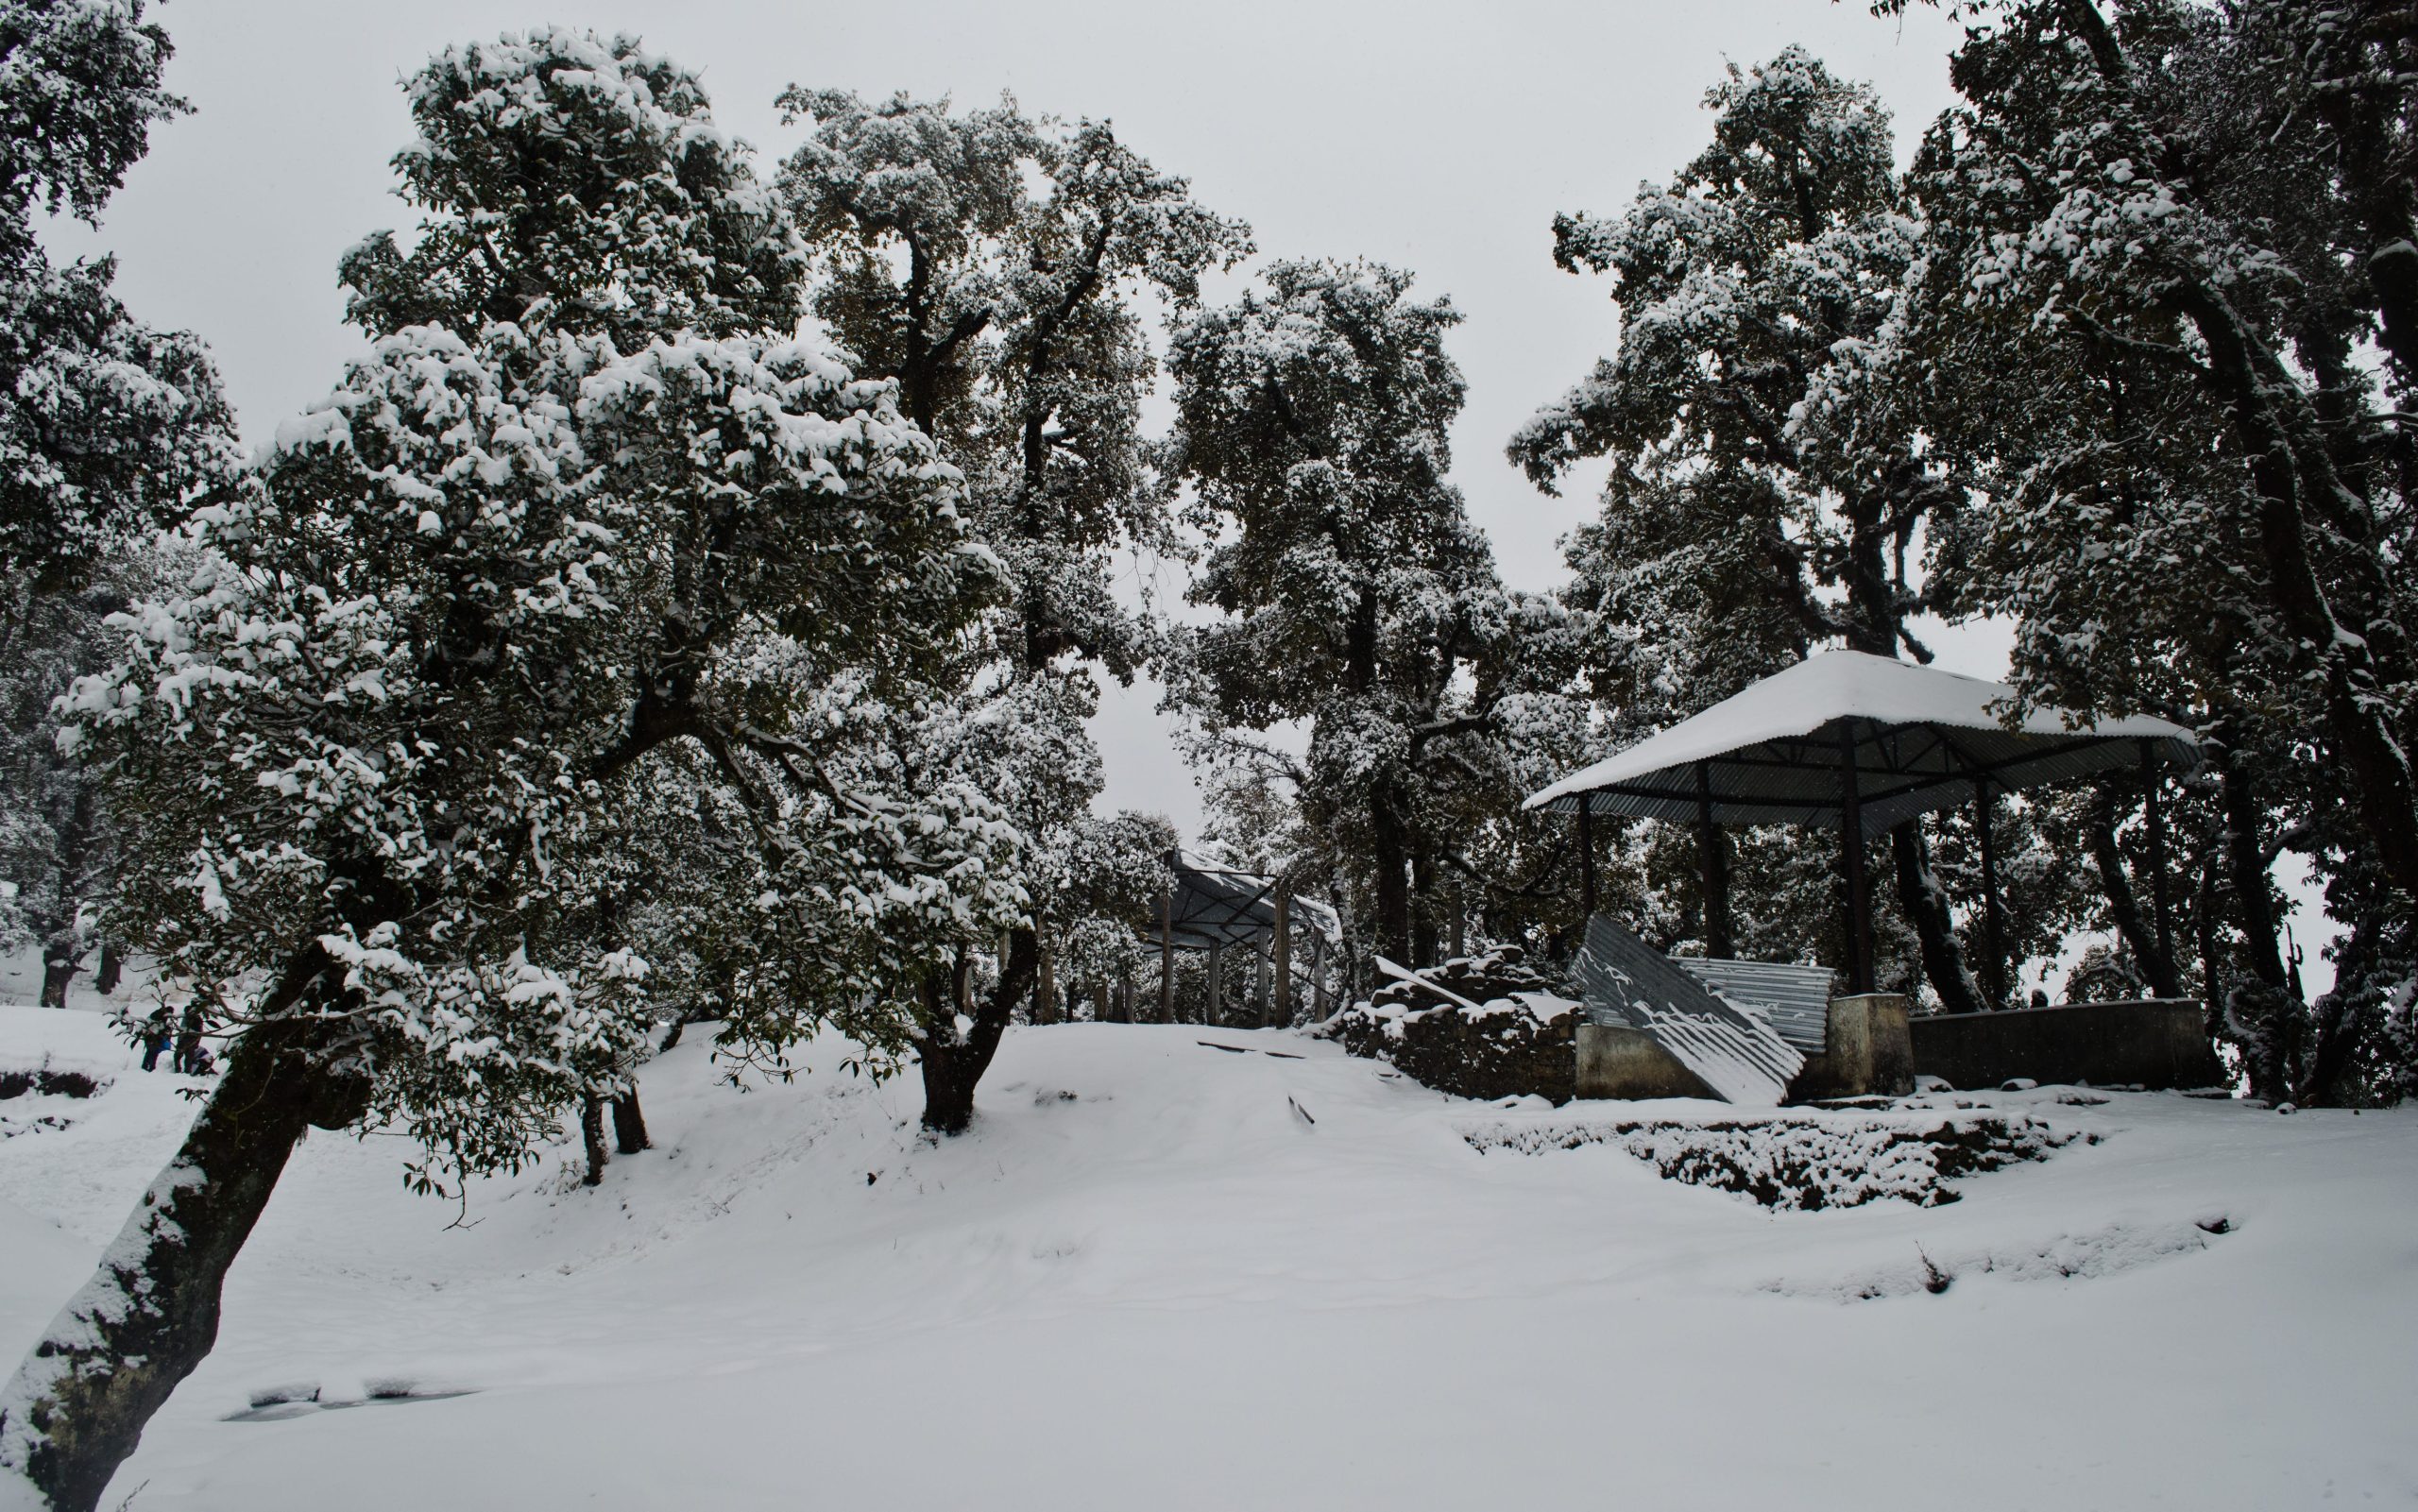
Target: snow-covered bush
column 1803, row 1161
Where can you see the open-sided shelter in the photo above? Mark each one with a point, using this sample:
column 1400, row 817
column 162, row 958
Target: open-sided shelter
column 1861, row 743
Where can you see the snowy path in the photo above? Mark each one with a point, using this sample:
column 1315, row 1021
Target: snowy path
column 1172, row 1291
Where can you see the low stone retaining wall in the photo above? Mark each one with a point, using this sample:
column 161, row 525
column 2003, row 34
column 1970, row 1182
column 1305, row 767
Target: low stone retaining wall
column 2156, row 1044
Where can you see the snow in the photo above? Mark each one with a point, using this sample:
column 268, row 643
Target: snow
column 1801, row 699
column 1144, row 1280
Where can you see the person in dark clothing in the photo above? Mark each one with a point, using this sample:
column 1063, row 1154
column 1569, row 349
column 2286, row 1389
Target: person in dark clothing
column 155, row 1039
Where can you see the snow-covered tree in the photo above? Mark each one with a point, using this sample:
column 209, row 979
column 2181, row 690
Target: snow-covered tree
column 106, row 426
column 995, row 268
column 1354, row 594
column 366, row 757
column 1726, row 548
column 107, row 430
column 2158, row 239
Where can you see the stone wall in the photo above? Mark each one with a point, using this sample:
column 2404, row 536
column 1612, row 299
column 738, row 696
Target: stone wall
column 1509, row 1035
column 2153, row 1043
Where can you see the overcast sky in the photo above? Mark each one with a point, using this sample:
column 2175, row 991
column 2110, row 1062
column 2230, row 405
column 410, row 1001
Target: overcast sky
column 1441, row 138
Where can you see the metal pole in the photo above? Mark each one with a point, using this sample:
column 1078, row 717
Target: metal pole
column 1852, row 849
column 1166, row 957
column 1713, row 863
column 1586, row 855
column 1282, row 949
column 1993, row 943
column 2151, row 782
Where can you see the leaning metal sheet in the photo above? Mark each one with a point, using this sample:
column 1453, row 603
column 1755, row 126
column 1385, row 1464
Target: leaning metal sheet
column 1743, row 1060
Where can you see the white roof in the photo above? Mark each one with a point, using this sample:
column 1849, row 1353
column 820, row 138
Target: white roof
column 1757, row 753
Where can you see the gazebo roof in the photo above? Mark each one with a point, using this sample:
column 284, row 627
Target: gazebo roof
column 1922, row 739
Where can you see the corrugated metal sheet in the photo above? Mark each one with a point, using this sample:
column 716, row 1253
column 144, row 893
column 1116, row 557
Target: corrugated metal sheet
column 1740, row 1057
column 1794, row 1000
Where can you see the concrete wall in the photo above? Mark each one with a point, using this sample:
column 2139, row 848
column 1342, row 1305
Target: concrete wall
column 1622, row 1062
column 2144, row 1043
column 1866, row 1052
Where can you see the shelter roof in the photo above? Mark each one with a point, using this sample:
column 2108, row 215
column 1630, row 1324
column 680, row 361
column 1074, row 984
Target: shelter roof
column 1218, row 905
column 1922, row 738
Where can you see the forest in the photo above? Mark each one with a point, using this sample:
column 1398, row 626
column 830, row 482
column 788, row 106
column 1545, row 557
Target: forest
column 689, row 616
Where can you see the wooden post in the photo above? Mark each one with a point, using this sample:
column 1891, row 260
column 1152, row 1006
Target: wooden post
column 1712, row 865
column 1993, row 943
column 1166, row 956
column 1281, row 948
column 1586, row 859
column 2152, row 784
column 1211, row 1010
column 1851, row 850
column 1259, row 981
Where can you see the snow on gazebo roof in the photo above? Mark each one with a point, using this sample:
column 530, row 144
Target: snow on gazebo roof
column 1922, row 740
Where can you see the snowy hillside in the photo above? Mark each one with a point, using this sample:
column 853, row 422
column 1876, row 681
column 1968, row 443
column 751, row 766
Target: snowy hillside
column 1162, row 1275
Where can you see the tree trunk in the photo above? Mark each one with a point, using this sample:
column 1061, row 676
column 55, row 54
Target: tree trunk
column 954, row 1061
column 1919, row 895
column 1044, row 992
column 58, row 956
column 2124, row 905
column 591, row 1133
column 629, row 1125
column 63, row 945
column 2257, row 1012
column 1393, row 885
column 79, row 1402
column 112, row 969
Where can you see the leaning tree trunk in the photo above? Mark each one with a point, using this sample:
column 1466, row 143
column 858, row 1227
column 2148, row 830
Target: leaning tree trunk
column 629, row 1124
column 2139, row 934
column 1926, row 904
column 954, row 1059
column 77, row 1404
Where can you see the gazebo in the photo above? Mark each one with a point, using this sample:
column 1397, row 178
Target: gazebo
column 1861, row 743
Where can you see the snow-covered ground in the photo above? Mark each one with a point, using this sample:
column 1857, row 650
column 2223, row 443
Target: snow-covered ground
column 1147, row 1280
